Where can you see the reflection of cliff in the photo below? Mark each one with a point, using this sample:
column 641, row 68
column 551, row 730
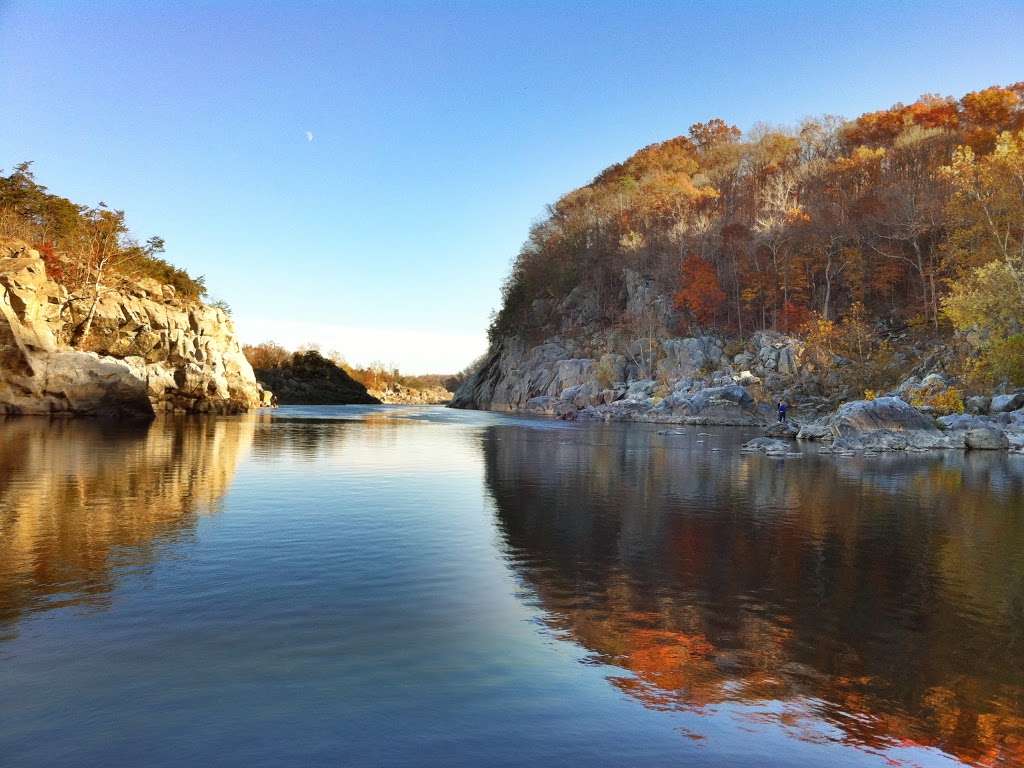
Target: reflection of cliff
column 882, row 598
column 73, row 493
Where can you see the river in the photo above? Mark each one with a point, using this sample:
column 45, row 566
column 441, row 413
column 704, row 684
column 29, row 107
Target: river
column 418, row 586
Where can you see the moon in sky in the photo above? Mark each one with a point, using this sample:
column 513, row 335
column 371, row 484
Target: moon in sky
column 309, row 135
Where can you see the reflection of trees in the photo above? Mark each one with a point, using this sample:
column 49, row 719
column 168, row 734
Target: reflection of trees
column 881, row 596
column 78, row 498
column 304, row 438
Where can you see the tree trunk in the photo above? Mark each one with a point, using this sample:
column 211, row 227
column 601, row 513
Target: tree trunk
column 82, row 331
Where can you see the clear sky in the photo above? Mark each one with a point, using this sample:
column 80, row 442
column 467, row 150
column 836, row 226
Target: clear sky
column 360, row 175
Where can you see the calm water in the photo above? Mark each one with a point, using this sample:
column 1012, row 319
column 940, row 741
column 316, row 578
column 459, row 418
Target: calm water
column 365, row 586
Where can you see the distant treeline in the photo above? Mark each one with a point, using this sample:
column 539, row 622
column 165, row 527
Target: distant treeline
column 376, row 376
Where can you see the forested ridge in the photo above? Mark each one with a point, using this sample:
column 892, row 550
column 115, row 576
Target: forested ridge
column 908, row 220
column 81, row 243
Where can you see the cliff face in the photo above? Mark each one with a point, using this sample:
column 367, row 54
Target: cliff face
column 632, row 371
column 148, row 351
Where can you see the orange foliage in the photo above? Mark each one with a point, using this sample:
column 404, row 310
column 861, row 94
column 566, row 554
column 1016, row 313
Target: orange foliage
column 768, row 227
column 701, row 293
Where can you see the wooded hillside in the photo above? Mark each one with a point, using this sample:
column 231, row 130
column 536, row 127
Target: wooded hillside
column 910, row 218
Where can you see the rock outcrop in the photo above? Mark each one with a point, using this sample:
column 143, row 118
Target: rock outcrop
column 695, row 383
column 311, row 379
column 148, row 351
column 885, row 424
column 400, row 394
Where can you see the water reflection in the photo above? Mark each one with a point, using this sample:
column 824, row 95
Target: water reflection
column 876, row 602
column 80, row 500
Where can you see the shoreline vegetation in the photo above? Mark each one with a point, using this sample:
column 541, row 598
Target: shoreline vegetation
column 874, row 265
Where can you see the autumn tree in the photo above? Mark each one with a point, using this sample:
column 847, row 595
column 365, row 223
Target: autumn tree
column 765, row 230
column 700, row 293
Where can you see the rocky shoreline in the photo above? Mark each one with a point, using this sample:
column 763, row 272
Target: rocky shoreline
column 891, row 424
column 149, row 350
column 693, row 381
column 400, row 394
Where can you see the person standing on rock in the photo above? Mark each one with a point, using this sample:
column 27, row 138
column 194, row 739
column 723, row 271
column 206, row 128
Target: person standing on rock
column 782, row 411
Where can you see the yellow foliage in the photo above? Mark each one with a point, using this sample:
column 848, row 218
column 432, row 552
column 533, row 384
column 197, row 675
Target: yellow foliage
column 944, row 401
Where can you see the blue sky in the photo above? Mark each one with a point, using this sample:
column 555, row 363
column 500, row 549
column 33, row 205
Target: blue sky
column 439, row 130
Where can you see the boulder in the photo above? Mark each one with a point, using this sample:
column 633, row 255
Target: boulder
column 743, row 360
column 746, row 379
column 908, row 385
column 884, row 424
column 640, row 389
column 782, row 430
column 955, row 422
column 815, row 430
column 689, row 356
column 1007, row 403
column 767, row 445
column 728, row 405
column 978, row 405
column 986, row 439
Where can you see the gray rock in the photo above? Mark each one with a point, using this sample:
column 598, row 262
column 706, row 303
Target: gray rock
column 986, row 439
column 786, row 362
column 689, row 356
column 935, row 381
column 640, row 389
column 815, row 430
column 1007, row 403
column 782, row 430
column 885, row 424
column 743, row 360
column 767, row 445
column 978, row 405
column 963, row 421
column 908, row 384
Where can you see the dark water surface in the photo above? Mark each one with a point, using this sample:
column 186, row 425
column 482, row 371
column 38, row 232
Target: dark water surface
column 373, row 586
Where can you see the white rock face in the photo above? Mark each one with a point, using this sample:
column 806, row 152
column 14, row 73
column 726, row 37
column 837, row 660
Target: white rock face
column 148, row 350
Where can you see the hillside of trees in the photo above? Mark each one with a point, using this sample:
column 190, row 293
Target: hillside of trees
column 270, row 354
column 269, row 357
column 305, row 377
column 83, row 246
column 908, row 221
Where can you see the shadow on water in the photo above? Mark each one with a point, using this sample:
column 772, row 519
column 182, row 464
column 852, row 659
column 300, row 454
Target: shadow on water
column 81, row 500
column 877, row 602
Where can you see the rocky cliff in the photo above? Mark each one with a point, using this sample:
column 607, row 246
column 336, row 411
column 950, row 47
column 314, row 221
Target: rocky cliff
column 148, row 350
column 634, row 373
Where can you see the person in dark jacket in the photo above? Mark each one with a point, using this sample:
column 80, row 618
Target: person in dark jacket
column 782, row 410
